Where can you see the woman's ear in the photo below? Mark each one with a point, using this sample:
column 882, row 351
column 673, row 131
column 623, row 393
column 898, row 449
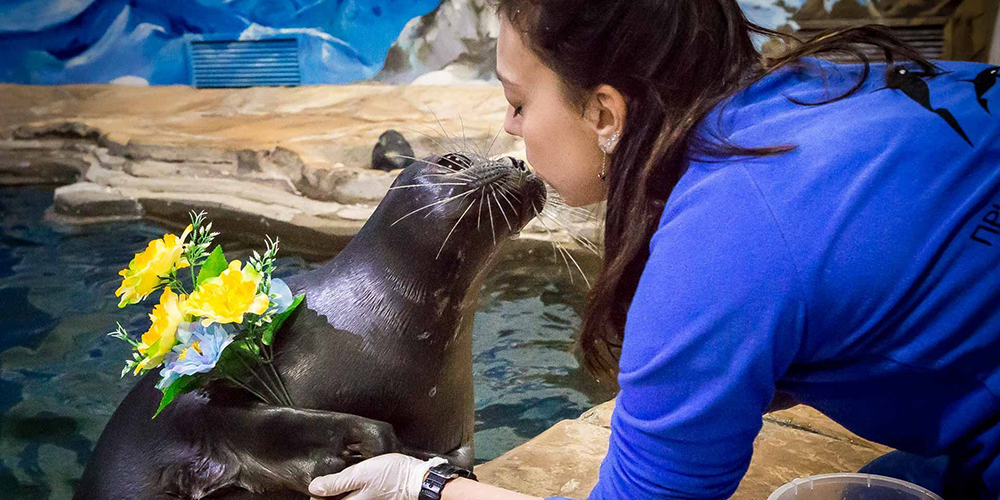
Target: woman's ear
column 606, row 110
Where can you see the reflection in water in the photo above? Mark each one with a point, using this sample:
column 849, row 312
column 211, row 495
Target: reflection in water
column 59, row 372
column 526, row 375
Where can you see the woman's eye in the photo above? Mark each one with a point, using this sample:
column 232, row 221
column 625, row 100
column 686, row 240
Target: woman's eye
column 517, row 110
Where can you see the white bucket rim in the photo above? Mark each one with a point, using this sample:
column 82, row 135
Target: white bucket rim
column 796, row 483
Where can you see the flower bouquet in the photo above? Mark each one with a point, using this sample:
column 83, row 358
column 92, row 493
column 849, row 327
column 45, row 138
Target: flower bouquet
column 214, row 320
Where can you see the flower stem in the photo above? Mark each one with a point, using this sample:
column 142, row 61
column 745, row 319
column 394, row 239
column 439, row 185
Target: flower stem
column 281, row 385
column 251, row 391
column 276, row 379
column 257, row 376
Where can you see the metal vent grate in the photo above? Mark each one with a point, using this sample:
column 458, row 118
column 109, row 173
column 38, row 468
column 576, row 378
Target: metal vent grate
column 245, row 63
column 928, row 39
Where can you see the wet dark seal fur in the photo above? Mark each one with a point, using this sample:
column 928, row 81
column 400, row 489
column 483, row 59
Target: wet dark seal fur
column 391, row 152
column 379, row 358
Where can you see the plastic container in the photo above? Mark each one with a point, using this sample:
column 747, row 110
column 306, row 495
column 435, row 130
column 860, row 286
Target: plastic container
column 851, row 487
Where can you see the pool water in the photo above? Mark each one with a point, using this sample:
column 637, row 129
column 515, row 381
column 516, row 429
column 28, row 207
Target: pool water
column 59, row 372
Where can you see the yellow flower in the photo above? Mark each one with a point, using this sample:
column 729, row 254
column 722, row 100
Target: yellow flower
column 161, row 336
column 227, row 297
column 146, row 271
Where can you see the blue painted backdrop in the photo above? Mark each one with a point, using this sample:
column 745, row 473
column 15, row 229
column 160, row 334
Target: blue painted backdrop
column 101, row 41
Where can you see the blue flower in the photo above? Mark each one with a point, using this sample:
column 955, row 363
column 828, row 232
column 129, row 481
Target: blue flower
column 281, row 296
column 198, row 352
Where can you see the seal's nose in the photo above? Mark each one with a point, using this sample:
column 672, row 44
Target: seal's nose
column 518, row 164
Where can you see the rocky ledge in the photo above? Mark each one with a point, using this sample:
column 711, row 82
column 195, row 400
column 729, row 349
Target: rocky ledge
column 289, row 162
column 793, row 443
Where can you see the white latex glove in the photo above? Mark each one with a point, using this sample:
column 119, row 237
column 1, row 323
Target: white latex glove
column 386, row 477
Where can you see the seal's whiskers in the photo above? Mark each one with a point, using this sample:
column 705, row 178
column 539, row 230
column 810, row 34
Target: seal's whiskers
column 453, row 229
column 567, row 217
column 409, row 186
column 445, row 132
column 451, row 145
column 504, row 191
column 584, row 242
column 575, row 264
column 513, row 209
column 553, row 216
column 454, row 175
column 493, row 142
column 480, row 216
column 556, row 205
column 436, row 203
column 452, row 172
column 557, row 250
column 465, row 139
column 564, row 254
column 492, row 227
column 502, row 211
column 555, row 256
column 477, row 148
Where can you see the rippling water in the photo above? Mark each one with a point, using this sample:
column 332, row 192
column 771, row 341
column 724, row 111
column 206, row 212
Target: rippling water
column 59, row 378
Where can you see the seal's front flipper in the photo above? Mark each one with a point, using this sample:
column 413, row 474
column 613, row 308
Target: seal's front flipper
column 463, row 456
column 265, row 448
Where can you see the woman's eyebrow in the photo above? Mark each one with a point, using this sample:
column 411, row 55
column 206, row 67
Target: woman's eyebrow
column 504, row 80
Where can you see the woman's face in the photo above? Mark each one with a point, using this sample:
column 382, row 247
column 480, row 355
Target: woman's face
column 561, row 144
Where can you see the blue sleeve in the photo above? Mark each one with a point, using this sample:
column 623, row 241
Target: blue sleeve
column 716, row 319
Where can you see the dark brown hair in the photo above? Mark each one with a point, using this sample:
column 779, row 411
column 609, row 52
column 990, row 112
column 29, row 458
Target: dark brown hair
column 674, row 61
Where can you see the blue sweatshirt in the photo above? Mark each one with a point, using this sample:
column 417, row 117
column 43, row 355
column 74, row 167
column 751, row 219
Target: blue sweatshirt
column 859, row 272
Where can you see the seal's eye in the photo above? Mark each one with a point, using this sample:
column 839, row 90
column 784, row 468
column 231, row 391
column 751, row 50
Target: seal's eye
column 455, row 161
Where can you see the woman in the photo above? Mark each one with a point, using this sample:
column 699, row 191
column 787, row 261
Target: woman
column 783, row 226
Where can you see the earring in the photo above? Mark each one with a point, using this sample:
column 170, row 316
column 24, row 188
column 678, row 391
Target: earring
column 606, row 148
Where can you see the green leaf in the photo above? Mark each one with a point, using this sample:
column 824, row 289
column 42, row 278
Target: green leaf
column 183, row 384
column 233, row 367
column 237, row 359
column 275, row 324
column 213, row 266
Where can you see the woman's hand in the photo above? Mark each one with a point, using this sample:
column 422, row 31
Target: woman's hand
column 385, row 477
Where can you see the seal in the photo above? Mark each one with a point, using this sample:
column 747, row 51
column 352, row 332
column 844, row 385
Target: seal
column 378, row 359
column 391, row 152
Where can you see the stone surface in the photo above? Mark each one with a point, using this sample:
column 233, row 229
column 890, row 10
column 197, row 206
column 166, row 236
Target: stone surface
column 87, row 199
column 346, row 186
column 565, row 459
column 41, row 166
column 291, row 162
column 562, row 461
column 63, row 130
column 323, row 125
column 280, row 161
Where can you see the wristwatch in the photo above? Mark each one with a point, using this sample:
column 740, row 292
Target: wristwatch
column 438, row 476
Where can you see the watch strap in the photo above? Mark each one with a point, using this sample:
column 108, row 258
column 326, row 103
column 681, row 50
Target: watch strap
column 437, row 477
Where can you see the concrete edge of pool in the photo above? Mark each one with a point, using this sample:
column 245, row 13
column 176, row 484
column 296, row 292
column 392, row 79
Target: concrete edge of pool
column 793, row 443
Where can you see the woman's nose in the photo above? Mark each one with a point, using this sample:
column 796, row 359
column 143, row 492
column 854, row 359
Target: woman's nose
column 510, row 124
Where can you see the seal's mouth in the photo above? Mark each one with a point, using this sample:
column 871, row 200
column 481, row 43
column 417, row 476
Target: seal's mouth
column 469, row 194
column 505, row 185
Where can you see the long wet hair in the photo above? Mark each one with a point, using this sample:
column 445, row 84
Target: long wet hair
column 674, row 61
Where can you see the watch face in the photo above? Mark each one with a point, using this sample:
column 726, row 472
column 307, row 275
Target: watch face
column 446, row 470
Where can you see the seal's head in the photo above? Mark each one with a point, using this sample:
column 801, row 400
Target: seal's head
column 458, row 207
